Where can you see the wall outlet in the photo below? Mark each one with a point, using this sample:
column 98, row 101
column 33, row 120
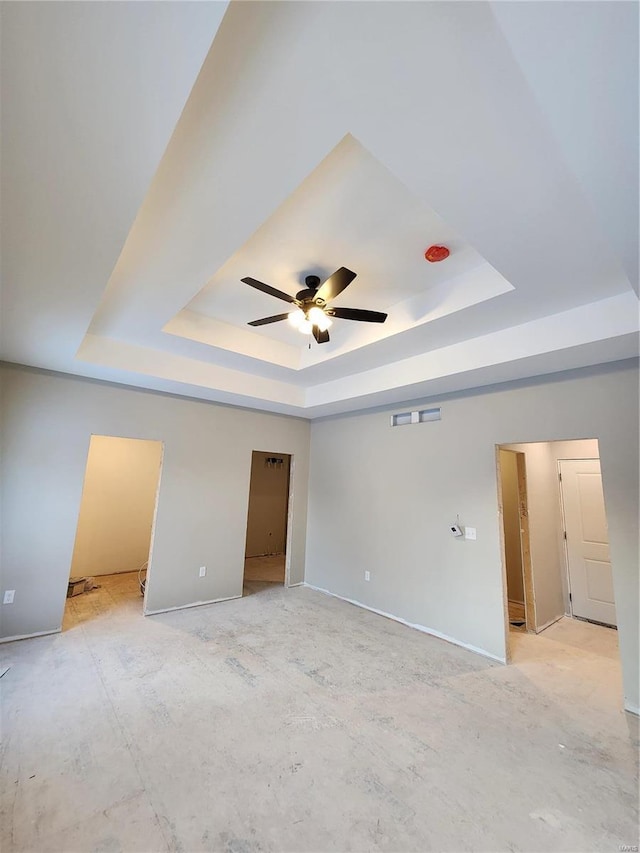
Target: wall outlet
column 367, row 576
column 9, row 595
column 469, row 533
column 203, row 571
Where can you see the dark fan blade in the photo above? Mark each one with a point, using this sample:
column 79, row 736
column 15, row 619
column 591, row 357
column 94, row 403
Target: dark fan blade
column 275, row 319
column 335, row 284
column 266, row 288
column 357, row 314
column 321, row 337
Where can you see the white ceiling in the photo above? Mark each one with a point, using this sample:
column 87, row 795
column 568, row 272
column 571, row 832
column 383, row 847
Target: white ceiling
column 350, row 211
column 154, row 154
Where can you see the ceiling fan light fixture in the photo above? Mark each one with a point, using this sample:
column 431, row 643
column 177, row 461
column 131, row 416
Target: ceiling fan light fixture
column 311, row 315
column 296, row 318
column 318, row 318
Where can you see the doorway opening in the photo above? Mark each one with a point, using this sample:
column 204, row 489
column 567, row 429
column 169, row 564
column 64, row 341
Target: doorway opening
column 515, row 531
column 268, row 514
column 111, row 554
column 558, row 580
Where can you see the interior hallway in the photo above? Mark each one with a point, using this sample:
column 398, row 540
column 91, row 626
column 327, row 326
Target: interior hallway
column 292, row 721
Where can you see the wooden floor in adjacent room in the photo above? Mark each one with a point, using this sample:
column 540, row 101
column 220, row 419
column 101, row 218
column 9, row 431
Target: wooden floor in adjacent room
column 293, row 721
column 270, row 569
column 119, row 593
column 517, row 617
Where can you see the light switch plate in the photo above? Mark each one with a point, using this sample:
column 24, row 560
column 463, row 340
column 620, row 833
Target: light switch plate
column 9, row 595
column 469, row 533
column 203, row 571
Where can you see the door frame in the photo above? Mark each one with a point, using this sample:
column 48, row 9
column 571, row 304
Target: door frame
column 289, row 528
column 153, row 528
column 155, row 507
column 525, row 545
column 289, row 525
column 565, row 552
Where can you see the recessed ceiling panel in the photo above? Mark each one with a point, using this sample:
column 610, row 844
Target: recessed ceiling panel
column 350, row 211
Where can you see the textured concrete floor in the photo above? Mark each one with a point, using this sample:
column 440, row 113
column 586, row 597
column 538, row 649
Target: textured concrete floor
column 289, row 720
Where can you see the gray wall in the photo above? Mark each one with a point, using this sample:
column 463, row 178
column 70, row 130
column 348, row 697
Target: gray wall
column 47, row 422
column 382, row 499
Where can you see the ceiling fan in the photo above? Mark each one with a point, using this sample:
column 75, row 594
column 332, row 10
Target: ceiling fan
column 311, row 314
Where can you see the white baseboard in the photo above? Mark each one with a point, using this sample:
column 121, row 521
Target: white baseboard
column 187, row 606
column 300, row 583
column 632, row 709
column 29, row 636
column 422, row 628
column 549, row 623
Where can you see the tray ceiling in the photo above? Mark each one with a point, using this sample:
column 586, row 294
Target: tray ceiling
column 438, row 124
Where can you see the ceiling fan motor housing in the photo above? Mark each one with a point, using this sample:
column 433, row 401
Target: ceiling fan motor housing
column 307, row 295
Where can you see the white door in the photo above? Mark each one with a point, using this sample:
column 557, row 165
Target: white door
column 585, row 522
